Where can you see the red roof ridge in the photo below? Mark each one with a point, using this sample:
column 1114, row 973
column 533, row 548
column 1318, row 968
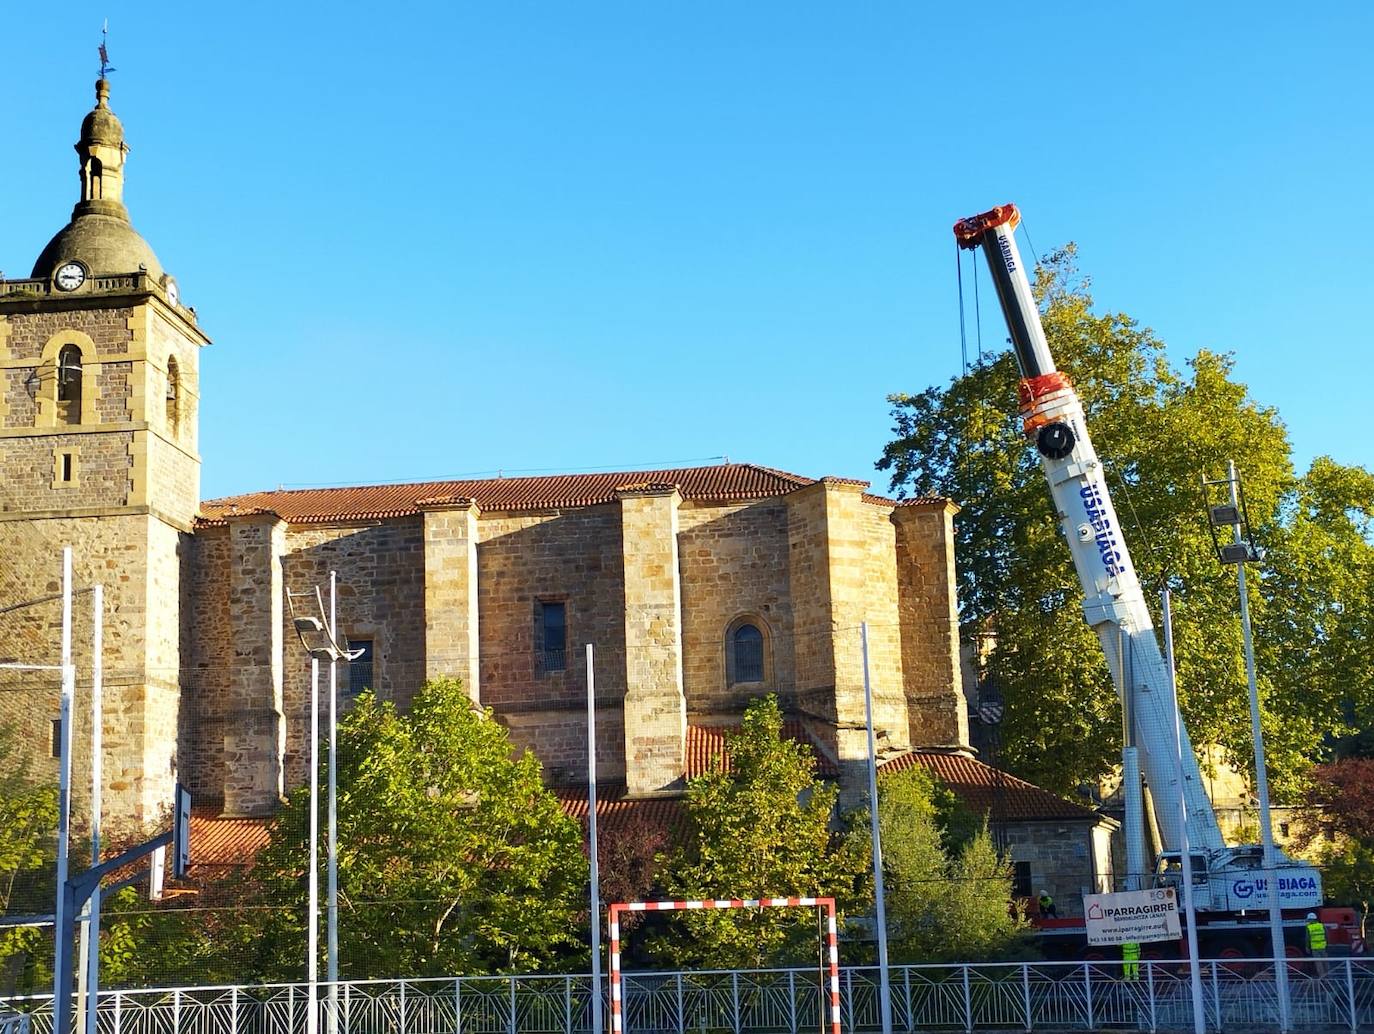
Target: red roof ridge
column 989, row 789
column 703, row 483
column 926, row 500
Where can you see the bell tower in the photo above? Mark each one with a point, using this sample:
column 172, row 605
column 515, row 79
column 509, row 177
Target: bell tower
column 98, row 449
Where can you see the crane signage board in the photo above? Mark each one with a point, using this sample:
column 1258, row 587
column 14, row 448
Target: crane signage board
column 1300, row 888
column 1132, row 916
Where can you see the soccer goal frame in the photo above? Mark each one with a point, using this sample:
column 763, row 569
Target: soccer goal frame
column 827, row 905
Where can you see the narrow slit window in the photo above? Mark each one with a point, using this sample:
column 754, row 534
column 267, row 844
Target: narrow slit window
column 68, row 467
column 56, row 738
column 553, row 635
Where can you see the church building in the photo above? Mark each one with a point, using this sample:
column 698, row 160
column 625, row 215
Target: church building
column 700, row 588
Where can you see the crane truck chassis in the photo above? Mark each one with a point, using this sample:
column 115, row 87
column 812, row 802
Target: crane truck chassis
column 1230, row 884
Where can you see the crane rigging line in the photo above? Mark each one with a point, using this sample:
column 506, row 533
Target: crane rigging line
column 963, row 335
column 977, row 311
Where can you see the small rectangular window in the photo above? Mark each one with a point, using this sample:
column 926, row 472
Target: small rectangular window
column 360, row 668
column 67, row 466
column 552, row 635
column 56, row 737
column 1021, row 880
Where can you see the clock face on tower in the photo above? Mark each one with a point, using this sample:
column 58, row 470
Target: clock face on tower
column 173, row 295
column 70, row 276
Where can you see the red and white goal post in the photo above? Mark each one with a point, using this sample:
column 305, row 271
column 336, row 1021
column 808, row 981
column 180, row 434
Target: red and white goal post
column 831, row 941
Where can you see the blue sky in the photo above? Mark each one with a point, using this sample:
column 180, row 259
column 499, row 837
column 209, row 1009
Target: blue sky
column 434, row 240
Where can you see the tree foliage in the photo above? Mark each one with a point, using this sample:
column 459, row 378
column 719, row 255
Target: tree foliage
column 28, row 819
column 1158, row 430
column 947, row 890
column 1338, row 815
column 758, row 827
column 453, row 857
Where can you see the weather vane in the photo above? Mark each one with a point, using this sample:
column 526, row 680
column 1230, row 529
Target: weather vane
column 105, row 67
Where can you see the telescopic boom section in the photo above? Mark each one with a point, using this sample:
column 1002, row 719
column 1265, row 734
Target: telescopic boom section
column 994, row 231
column 1113, row 603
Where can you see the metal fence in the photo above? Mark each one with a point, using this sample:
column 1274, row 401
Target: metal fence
column 1012, row 996
column 13, row 1022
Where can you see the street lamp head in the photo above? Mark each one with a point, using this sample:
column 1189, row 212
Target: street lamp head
column 307, row 625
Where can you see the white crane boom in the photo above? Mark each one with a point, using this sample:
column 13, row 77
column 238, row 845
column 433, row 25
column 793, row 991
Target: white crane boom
column 1113, row 602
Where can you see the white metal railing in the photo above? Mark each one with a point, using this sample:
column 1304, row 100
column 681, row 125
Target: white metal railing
column 1337, row 995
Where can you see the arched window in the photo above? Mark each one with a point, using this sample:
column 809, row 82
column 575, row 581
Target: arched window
column 745, row 653
column 173, row 394
column 69, row 385
column 95, row 173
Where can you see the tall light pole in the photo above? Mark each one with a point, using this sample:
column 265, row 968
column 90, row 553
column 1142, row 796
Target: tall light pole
column 64, row 785
column 1240, row 551
column 884, row 990
column 591, row 829
column 331, row 971
column 1185, row 849
column 317, row 636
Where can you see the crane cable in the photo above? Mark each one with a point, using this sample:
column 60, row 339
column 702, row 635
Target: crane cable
column 963, row 334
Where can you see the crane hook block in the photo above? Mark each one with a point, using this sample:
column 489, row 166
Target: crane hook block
column 968, row 232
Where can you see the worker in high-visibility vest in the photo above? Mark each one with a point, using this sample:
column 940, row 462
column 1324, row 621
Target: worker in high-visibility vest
column 1130, row 960
column 1046, row 903
column 1316, row 941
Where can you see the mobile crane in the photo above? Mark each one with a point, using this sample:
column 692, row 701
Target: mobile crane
column 1230, row 888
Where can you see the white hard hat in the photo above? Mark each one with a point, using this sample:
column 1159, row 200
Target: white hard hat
column 1044, row 893
column 1311, row 915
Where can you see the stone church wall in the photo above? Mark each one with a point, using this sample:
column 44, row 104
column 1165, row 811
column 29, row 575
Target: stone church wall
column 208, row 634
column 734, row 564
column 380, row 573
column 102, row 471
column 129, row 555
column 571, row 556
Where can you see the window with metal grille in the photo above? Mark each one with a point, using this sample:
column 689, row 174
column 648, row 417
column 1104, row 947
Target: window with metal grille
column 551, row 635
column 746, row 654
column 360, row 668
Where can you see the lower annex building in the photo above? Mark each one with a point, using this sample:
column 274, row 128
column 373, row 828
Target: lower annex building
column 701, row 588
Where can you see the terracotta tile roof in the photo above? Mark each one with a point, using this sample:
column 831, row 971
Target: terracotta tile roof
column 726, row 482
column 988, row 790
column 614, row 811
column 221, row 841
column 723, row 482
column 706, row 741
column 922, row 500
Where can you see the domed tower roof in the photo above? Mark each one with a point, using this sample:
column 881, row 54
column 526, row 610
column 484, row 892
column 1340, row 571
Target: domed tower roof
column 100, row 235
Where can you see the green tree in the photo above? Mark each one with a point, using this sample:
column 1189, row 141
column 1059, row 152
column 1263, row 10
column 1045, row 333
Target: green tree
column 1158, row 430
column 759, row 826
column 1338, row 815
column 453, row 857
column 948, row 892
column 28, row 819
